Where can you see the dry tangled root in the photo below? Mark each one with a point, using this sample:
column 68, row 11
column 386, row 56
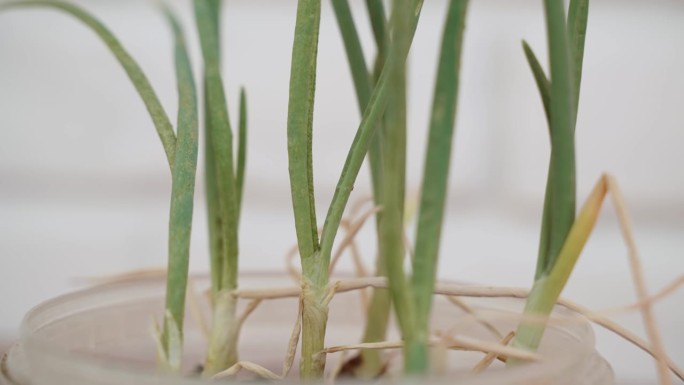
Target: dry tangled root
column 454, row 292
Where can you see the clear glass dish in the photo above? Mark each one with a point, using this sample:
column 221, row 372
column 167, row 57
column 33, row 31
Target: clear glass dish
column 103, row 336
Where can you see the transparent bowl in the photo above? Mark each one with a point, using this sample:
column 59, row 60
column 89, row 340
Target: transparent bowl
column 103, row 336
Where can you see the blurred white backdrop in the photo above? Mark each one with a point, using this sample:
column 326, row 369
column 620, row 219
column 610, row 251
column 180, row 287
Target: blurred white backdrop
column 84, row 185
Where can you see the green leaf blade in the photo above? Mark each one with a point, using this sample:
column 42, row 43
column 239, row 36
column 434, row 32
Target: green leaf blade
column 545, row 233
column 562, row 130
column 544, row 88
column 548, row 288
column 379, row 310
column 391, row 245
column 363, row 84
column 578, row 18
column 222, row 194
column 182, row 189
column 352, row 44
column 206, row 19
column 436, row 169
column 360, row 144
column 242, row 148
column 543, row 84
column 299, row 133
column 219, row 136
column 299, row 148
column 376, row 13
column 215, row 225
column 391, row 230
column 221, row 140
column 558, row 219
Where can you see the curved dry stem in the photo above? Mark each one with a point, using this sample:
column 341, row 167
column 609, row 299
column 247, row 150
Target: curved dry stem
column 360, row 271
column 352, row 228
column 467, row 309
column 666, row 291
column 360, row 268
column 452, row 343
column 348, row 242
column 366, row 345
column 490, row 357
column 639, row 280
column 358, row 204
column 625, row 334
column 250, row 367
column 346, row 285
column 248, row 311
column 471, row 344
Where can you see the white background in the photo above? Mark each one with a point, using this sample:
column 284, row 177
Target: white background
column 84, row 185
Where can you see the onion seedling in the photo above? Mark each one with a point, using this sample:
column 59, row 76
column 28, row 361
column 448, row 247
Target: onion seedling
column 560, row 97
